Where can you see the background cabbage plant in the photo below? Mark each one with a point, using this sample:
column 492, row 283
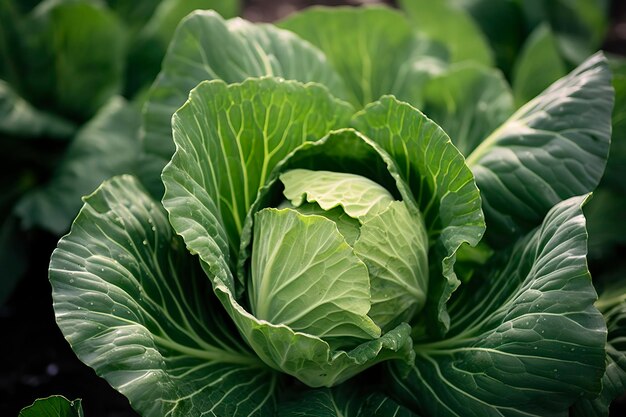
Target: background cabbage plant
column 73, row 75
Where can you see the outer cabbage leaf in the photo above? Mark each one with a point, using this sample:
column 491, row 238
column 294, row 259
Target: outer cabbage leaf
column 452, row 26
column 552, row 148
column 106, row 146
column 205, row 47
column 525, row 340
column 609, row 200
column 136, row 307
column 468, row 102
column 606, row 237
column 612, row 304
column 443, row 187
column 616, row 166
column 343, row 401
column 374, row 49
column 54, row 406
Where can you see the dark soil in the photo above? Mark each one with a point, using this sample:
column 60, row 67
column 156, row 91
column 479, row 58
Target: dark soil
column 38, row 362
column 616, row 36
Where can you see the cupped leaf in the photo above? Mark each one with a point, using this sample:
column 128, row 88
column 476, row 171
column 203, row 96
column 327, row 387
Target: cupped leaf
column 431, row 166
column 66, row 70
column 441, row 183
column 342, row 151
column 307, row 357
column 205, row 47
column 260, row 122
column 53, row 406
column 343, row 401
column 306, row 276
column 612, row 304
column 525, row 340
column 374, row 49
column 452, row 26
column 106, row 146
column 19, row 118
column 468, row 102
column 551, row 149
column 229, row 138
column 136, row 307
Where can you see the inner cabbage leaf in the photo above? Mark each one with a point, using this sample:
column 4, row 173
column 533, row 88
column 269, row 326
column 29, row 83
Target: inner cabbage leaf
column 392, row 239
